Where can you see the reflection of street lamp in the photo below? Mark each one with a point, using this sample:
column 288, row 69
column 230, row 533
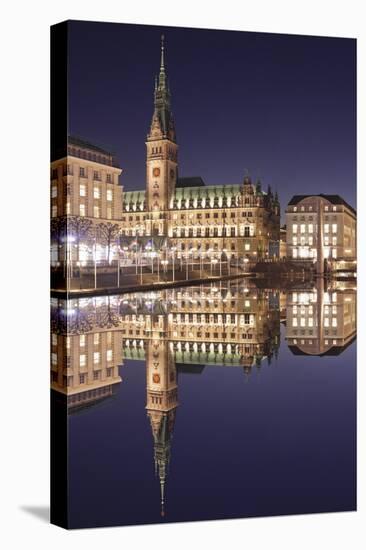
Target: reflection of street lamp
column 164, row 263
column 173, row 249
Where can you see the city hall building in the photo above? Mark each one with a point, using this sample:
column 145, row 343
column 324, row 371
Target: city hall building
column 182, row 215
column 237, row 220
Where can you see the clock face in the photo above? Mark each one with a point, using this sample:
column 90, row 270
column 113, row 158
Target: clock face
column 156, row 172
column 156, row 378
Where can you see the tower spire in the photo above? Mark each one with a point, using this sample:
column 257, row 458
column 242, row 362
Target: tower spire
column 162, row 67
column 162, row 499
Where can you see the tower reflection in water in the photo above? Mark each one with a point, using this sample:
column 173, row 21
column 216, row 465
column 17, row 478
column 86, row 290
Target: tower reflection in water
column 178, row 330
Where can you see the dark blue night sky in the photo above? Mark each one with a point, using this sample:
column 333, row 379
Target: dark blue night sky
column 283, row 107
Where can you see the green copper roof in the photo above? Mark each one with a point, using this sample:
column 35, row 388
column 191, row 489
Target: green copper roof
column 209, row 191
column 133, row 196
column 185, row 193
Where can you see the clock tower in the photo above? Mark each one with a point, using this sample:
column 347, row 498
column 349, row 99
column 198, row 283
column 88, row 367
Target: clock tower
column 161, row 155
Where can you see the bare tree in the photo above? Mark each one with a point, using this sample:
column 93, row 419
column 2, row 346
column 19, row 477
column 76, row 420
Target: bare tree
column 58, row 229
column 108, row 232
column 81, row 229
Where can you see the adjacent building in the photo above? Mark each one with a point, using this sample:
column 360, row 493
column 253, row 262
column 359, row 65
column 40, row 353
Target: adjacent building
column 85, row 194
column 322, row 229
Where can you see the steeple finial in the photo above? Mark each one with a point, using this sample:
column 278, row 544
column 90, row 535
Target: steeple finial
column 162, row 501
column 162, row 54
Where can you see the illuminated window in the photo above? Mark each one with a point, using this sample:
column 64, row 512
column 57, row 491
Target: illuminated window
column 109, row 213
column 96, row 338
column 334, row 241
column 310, row 240
column 54, row 339
column 109, row 355
column 109, row 195
column 82, row 210
column 326, row 208
column 326, row 321
column 302, row 321
column 294, row 322
column 54, row 211
column 54, row 358
column 96, row 357
column 68, row 342
column 96, row 192
column 326, row 240
column 54, row 191
column 310, row 322
column 334, row 322
column 96, row 211
column 311, row 227
column 82, row 361
column 294, row 228
column 247, row 303
column 294, row 296
column 247, row 246
column 82, row 190
column 334, row 253
column 82, row 340
column 294, row 241
column 334, row 228
column 326, row 228
column 302, row 228
column 68, row 208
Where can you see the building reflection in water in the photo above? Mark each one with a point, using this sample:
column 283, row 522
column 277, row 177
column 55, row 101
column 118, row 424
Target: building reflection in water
column 226, row 324
column 321, row 321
